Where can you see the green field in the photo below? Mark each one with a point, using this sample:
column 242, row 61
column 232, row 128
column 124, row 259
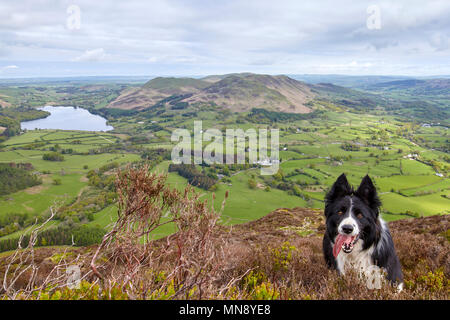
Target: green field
column 407, row 162
column 36, row 200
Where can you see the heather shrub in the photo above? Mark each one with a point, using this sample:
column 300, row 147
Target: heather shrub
column 276, row 257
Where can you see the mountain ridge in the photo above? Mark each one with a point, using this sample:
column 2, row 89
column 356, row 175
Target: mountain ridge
column 237, row 92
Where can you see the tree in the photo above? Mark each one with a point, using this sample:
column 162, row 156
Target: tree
column 226, row 171
column 251, row 183
column 15, row 177
column 53, row 156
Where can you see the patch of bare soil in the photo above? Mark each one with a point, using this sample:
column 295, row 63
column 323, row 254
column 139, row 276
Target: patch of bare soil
column 4, row 104
column 36, row 189
column 29, row 209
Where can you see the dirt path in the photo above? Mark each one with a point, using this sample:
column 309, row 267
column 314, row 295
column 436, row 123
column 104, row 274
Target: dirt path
column 81, row 192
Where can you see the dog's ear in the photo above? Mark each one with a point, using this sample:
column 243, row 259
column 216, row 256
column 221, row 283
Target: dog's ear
column 340, row 188
column 368, row 193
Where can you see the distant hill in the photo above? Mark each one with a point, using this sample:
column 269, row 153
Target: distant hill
column 350, row 81
column 242, row 92
column 236, row 92
column 350, row 98
column 424, row 99
column 156, row 90
column 415, row 86
column 403, row 84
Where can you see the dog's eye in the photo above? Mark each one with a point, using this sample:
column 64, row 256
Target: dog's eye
column 359, row 215
column 340, row 213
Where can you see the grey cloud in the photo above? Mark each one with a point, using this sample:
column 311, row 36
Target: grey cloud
column 288, row 36
column 92, row 55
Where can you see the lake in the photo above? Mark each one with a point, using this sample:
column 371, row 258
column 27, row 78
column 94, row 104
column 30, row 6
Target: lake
column 68, row 118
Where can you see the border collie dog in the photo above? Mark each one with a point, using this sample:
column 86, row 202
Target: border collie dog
column 356, row 236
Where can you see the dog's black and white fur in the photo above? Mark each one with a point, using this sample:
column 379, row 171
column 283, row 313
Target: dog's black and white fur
column 356, row 213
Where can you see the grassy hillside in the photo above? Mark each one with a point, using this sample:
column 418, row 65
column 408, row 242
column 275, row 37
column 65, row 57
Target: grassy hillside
column 426, row 99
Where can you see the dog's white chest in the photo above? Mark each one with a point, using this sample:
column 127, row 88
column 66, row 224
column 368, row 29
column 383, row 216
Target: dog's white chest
column 358, row 259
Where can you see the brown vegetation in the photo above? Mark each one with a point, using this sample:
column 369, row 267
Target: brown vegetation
column 276, row 257
column 236, row 92
column 4, row 104
column 242, row 92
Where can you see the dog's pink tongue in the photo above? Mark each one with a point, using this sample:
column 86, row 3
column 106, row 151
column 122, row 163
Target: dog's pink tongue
column 340, row 240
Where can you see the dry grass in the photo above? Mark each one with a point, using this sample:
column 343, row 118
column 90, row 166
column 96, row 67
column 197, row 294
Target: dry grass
column 420, row 243
column 36, row 189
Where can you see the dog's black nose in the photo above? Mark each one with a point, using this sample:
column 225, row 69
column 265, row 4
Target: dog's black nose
column 347, row 228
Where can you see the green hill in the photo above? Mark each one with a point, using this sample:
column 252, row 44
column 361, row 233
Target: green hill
column 415, row 86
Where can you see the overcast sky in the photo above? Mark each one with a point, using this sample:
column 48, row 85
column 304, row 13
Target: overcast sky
column 173, row 37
